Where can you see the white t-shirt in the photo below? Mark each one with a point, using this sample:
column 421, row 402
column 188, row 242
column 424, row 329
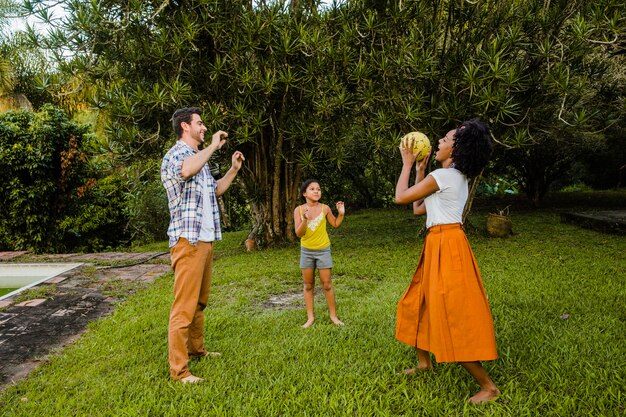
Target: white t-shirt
column 446, row 205
column 207, row 228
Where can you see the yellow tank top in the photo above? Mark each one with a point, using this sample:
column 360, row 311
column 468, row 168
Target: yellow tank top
column 315, row 237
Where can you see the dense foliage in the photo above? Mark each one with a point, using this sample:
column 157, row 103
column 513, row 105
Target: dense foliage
column 50, row 200
column 6, row 71
column 326, row 91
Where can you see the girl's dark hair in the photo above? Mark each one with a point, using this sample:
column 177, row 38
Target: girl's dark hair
column 472, row 147
column 306, row 184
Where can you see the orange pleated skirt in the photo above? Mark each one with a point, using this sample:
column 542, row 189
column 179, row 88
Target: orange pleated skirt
column 445, row 309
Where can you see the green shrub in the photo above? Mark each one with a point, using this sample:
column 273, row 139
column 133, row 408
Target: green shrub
column 577, row 187
column 496, row 185
column 42, row 162
column 53, row 196
column 148, row 213
column 235, row 209
column 98, row 221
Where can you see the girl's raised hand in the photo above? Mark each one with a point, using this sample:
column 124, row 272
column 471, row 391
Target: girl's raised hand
column 341, row 209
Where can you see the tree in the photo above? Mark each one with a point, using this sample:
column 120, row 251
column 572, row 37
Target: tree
column 262, row 72
column 22, row 64
column 43, row 165
column 7, row 80
column 533, row 69
column 301, row 88
column 572, row 89
column 54, row 198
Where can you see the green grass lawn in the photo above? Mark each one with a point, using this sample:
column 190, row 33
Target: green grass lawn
column 557, row 292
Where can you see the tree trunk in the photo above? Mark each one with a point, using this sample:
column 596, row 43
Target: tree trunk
column 292, row 180
column 473, row 186
column 272, row 185
column 223, row 212
column 361, row 187
column 535, row 185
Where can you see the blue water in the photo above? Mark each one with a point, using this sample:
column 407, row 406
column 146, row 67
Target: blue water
column 4, row 291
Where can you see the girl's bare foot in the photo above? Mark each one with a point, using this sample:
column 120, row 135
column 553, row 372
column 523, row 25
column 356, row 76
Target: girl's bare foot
column 485, row 395
column 336, row 321
column 308, row 323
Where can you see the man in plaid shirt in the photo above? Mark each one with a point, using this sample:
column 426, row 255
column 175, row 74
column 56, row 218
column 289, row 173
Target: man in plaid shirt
column 194, row 225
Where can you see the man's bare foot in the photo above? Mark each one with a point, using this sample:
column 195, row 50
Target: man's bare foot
column 308, row 323
column 207, row 354
column 191, row 379
column 336, row 321
column 418, row 369
column 485, row 395
column 204, row 354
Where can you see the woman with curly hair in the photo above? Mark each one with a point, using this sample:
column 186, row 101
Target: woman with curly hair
column 445, row 309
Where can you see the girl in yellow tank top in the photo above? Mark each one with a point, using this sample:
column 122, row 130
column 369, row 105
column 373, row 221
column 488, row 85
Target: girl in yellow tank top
column 310, row 223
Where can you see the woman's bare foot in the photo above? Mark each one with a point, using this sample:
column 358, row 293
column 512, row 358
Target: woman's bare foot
column 485, row 395
column 308, row 323
column 418, row 369
column 336, row 321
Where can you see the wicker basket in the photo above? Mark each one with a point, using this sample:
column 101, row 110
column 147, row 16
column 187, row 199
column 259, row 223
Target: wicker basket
column 499, row 225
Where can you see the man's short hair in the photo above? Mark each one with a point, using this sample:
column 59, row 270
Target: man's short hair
column 183, row 115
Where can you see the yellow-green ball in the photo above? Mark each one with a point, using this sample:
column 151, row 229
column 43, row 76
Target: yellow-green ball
column 421, row 144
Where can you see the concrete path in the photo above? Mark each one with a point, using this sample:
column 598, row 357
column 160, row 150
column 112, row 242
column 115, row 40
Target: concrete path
column 31, row 328
column 612, row 221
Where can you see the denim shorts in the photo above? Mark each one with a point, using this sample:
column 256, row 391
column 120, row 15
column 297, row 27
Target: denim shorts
column 312, row 258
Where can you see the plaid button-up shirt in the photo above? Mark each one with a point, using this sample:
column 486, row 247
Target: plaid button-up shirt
column 185, row 196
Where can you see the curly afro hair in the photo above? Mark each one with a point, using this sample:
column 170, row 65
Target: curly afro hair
column 472, row 147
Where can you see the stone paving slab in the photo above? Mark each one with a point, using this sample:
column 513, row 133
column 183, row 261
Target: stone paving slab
column 30, row 330
column 31, row 303
column 134, row 272
column 22, row 334
column 7, row 256
column 104, row 257
column 612, row 221
column 144, row 272
column 56, row 280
